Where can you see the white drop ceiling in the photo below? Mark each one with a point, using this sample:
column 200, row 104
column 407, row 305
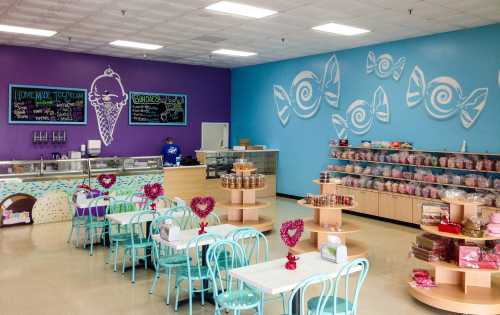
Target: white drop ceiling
column 189, row 33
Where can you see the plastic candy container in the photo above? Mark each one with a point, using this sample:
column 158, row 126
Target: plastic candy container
column 497, row 166
column 496, row 184
column 408, row 175
column 357, row 156
column 411, row 159
column 397, row 172
column 395, row 187
column 369, row 184
column 427, row 160
column 387, row 171
column 369, row 156
column 403, row 157
column 484, row 182
column 349, row 168
column 394, row 158
column 382, row 157
column 457, row 180
column 388, row 185
column 378, row 185
column 434, row 192
column 378, row 170
column 468, row 163
column 429, row 177
column 403, row 189
column 480, row 165
column 470, row 180
column 443, row 179
column 451, row 162
column 489, row 200
column 368, row 170
column 358, row 169
column 418, row 190
column 443, row 161
column 488, row 165
column 419, row 175
column 410, row 188
column 419, row 160
column 459, row 162
column 426, row 191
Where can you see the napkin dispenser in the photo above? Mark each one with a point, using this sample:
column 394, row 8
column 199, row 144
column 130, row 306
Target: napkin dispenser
column 334, row 250
column 169, row 231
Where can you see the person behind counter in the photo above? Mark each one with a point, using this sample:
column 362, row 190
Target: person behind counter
column 171, row 152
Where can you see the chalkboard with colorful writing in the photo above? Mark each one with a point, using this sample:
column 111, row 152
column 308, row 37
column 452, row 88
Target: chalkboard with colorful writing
column 157, row 109
column 47, row 105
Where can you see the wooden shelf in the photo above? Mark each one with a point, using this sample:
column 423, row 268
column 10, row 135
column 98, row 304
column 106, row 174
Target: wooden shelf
column 264, row 224
column 415, row 181
column 250, row 170
column 416, row 150
column 302, row 202
column 316, row 181
column 243, row 189
column 452, row 298
column 455, row 267
column 354, row 249
column 463, row 202
column 417, row 166
column 434, row 230
column 256, row 205
column 347, row 227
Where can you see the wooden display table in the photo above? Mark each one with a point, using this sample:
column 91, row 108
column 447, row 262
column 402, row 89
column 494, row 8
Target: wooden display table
column 242, row 208
column 328, row 221
column 460, row 290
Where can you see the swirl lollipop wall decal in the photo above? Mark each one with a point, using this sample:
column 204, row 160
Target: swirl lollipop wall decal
column 360, row 115
column 307, row 92
column 384, row 66
column 443, row 98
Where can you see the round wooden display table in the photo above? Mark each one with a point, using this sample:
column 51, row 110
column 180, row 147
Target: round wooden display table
column 243, row 207
column 328, row 221
column 460, row 290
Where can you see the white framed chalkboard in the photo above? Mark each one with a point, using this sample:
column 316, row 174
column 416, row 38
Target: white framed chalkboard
column 35, row 104
column 146, row 108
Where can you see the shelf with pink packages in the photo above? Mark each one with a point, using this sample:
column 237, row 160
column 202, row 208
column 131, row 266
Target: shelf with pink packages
column 414, row 150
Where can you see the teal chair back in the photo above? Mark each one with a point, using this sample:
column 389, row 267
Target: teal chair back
column 223, row 256
column 164, row 202
column 120, row 206
column 137, row 227
column 321, row 281
column 255, row 244
column 158, row 249
column 342, row 285
column 138, row 198
column 194, row 220
column 195, row 250
column 182, row 214
column 98, row 209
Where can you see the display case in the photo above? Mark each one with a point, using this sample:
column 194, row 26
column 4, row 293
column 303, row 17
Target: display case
column 105, row 165
column 64, row 167
column 143, row 163
column 19, row 169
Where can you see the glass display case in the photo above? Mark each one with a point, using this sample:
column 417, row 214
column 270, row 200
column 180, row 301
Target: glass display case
column 221, row 162
column 105, row 165
column 20, row 169
column 65, row 167
column 142, row 163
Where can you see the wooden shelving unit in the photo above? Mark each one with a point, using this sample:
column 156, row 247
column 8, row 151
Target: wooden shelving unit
column 460, row 290
column 328, row 221
column 243, row 207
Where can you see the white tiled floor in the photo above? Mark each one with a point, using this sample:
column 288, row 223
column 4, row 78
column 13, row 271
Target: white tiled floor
column 41, row 274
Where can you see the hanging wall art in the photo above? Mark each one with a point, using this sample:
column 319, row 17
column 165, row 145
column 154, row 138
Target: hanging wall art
column 360, row 115
column 384, row 66
column 108, row 97
column 307, row 92
column 443, row 98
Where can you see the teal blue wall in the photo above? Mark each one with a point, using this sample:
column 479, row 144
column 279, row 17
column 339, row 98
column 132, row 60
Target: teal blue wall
column 471, row 57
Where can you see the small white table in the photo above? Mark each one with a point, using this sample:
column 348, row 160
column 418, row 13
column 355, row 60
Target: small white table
column 86, row 203
column 187, row 235
column 271, row 277
column 125, row 218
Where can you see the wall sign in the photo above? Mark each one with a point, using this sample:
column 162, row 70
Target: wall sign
column 29, row 104
column 157, row 109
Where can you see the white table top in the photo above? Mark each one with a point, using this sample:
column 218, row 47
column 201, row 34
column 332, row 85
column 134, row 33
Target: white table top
column 125, row 218
column 271, row 277
column 187, row 235
column 101, row 203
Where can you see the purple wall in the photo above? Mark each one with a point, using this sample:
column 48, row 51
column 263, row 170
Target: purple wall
column 208, row 91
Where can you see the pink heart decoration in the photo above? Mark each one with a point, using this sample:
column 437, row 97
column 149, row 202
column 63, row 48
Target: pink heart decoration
column 291, row 231
column 106, row 180
column 153, row 191
column 202, row 206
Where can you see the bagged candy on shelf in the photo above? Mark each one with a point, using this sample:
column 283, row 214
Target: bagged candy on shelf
column 419, row 160
column 395, row 187
column 433, row 192
column 496, row 184
column 457, row 180
column 369, row 156
column 470, row 180
column 349, row 168
column 408, row 175
column 362, row 182
column 368, row 170
column 411, row 159
column 410, row 189
column 418, row 190
column 388, row 185
column 378, row 170
column 468, row 163
column 443, row 179
column 376, row 157
column 454, row 195
column 369, row 184
column 382, row 157
column 429, row 177
column 426, row 191
column 441, row 191
column 484, row 182
column 480, row 165
column 351, row 154
column 387, row 171
column 422, row 279
column 403, row 157
column 451, row 162
column 434, row 160
column 488, row 165
column 443, row 161
column 345, row 155
column 427, row 160
column 357, row 156
column 378, row 185
column 394, row 158
column 358, row 169
column 403, row 188
column 459, row 162
column 419, row 175
column 497, row 166
column 397, row 172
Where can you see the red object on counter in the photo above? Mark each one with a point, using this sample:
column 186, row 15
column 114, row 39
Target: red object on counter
column 454, row 228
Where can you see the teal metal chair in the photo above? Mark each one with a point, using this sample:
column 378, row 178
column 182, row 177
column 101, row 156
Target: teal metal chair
column 118, row 234
column 140, row 239
column 230, row 294
column 348, row 305
column 182, row 214
column 165, row 259
column 96, row 220
column 138, row 198
column 196, row 269
column 194, row 221
column 256, row 249
column 319, row 281
column 78, row 221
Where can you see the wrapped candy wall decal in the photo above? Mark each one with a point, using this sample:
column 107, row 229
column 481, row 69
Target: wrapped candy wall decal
column 384, row 66
column 307, row 92
column 443, row 98
column 108, row 97
column 360, row 115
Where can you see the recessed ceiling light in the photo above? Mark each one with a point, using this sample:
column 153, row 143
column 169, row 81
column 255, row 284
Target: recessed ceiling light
column 237, row 53
column 26, row 30
column 240, row 9
column 129, row 44
column 340, row 29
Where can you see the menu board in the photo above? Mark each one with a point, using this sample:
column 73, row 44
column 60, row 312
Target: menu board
column 157, row 109
column 47, row 105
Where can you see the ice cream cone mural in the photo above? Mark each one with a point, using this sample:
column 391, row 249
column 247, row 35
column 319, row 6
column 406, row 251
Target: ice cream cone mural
column 108, row 97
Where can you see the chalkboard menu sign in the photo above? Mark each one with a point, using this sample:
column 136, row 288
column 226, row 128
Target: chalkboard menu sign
column 157, row 109
column 47, row 105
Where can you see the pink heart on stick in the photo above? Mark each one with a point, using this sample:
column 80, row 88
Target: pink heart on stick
column 202, row 206
column 291, row 231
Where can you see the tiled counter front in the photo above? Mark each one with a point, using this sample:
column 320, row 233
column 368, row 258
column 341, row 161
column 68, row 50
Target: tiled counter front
column 52, row 196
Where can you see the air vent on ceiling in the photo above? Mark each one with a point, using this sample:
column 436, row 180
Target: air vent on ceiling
column 209, row 38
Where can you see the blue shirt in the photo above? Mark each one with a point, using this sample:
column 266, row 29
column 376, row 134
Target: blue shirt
column 170, row 153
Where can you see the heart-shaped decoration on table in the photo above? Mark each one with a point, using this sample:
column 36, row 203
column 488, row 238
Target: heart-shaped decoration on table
column 290, row 233
column 153, row 191
column 202, row 207
column 106, row 180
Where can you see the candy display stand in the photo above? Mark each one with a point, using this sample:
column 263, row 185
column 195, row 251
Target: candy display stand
column 243, row 207
column 328, row 221
column 460, row 290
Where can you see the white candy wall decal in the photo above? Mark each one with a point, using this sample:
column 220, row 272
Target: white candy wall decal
column 384, row 66
column 360, row 115
column 108, row 97
column 307, row 92
column 443, row 98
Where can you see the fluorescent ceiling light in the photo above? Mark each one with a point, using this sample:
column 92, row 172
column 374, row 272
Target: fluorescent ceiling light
column 340, row 29
column 26, row 30
column 126, row 43
column 237, row 53
column 240, row 9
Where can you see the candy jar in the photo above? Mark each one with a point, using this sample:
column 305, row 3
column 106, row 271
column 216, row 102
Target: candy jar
column 443, row 161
